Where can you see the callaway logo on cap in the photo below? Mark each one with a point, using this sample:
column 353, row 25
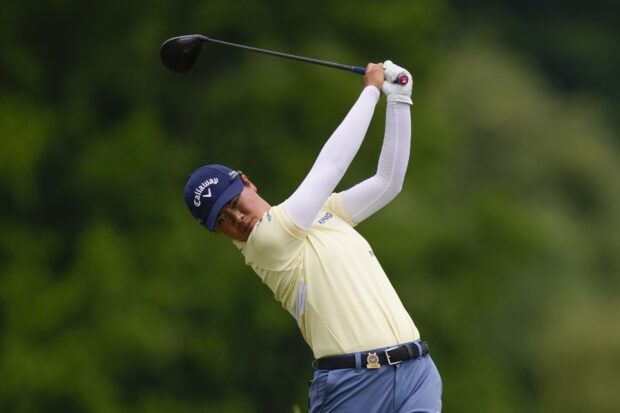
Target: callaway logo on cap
column 208, row 189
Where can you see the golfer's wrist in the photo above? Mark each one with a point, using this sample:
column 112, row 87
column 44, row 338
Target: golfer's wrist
column 372, row 90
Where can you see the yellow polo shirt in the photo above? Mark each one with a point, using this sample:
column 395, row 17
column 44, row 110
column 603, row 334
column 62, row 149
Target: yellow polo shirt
column 329, row 279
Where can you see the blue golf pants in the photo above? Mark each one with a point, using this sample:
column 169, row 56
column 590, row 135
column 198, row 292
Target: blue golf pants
column 411, row 386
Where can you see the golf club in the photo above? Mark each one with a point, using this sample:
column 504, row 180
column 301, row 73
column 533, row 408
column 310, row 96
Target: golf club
column 180, row 53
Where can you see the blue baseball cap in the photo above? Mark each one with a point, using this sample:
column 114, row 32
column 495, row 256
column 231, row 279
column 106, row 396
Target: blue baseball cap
column 208, row 189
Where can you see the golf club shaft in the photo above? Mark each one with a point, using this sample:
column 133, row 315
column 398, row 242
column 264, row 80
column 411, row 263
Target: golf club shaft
column 354, row 69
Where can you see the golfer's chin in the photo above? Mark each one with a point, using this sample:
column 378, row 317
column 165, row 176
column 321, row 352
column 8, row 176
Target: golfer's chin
column 245, row 234
column 241, row 234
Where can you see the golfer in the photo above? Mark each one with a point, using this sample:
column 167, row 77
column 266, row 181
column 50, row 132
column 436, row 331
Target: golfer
column 369, row 356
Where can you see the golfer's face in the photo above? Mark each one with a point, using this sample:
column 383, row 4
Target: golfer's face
column 237, row 218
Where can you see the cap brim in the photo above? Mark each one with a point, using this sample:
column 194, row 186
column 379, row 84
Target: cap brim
column 229, row 193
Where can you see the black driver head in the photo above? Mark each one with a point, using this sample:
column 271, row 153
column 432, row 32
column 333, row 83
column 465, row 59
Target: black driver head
column 180, row 53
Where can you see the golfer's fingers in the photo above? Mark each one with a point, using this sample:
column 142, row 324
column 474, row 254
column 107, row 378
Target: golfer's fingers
column 374, row 75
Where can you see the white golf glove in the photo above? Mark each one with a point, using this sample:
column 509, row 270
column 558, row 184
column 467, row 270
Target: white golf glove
column 393, row 89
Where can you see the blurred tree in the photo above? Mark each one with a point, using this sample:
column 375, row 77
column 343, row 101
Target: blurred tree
column 515, row 222
column 503, row 243
column 575, row 44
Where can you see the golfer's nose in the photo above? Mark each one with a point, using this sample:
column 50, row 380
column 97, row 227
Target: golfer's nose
column 236, row 215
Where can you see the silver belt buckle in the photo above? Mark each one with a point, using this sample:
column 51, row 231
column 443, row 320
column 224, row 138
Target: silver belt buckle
column 387, row 356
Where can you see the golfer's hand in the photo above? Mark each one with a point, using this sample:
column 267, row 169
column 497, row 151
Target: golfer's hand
column 374, row 75
column 394, row 91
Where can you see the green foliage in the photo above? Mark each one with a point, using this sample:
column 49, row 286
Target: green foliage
column 503, row 244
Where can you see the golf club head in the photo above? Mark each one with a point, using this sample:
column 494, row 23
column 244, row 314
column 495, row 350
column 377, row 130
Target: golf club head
column 180, row 53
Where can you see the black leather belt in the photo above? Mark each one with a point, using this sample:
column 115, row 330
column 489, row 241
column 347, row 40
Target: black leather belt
column 374, row 359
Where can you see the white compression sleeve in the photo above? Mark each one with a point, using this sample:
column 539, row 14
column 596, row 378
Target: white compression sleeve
column 367, row 197
column 333, row 160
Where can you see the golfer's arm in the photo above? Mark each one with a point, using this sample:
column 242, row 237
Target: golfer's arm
column 333, row 161
column 367, row 197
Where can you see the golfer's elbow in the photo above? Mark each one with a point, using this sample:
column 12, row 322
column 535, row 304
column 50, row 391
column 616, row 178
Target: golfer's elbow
column 394, row 190
column 391, row 188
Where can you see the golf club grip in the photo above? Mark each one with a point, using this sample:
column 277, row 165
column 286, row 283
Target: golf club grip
column 354, row 69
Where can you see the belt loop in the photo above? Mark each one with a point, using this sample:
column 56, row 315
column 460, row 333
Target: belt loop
column 409, row 348
column 420, row 353
column 358, row 361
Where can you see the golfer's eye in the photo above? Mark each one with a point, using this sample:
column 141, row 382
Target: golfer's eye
column 235, row 201
column 220, row 220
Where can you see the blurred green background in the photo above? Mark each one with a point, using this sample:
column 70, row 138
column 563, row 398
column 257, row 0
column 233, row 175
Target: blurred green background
column 504, row 244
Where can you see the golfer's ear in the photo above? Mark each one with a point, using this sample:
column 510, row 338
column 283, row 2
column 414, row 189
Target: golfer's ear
column 249, row 183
